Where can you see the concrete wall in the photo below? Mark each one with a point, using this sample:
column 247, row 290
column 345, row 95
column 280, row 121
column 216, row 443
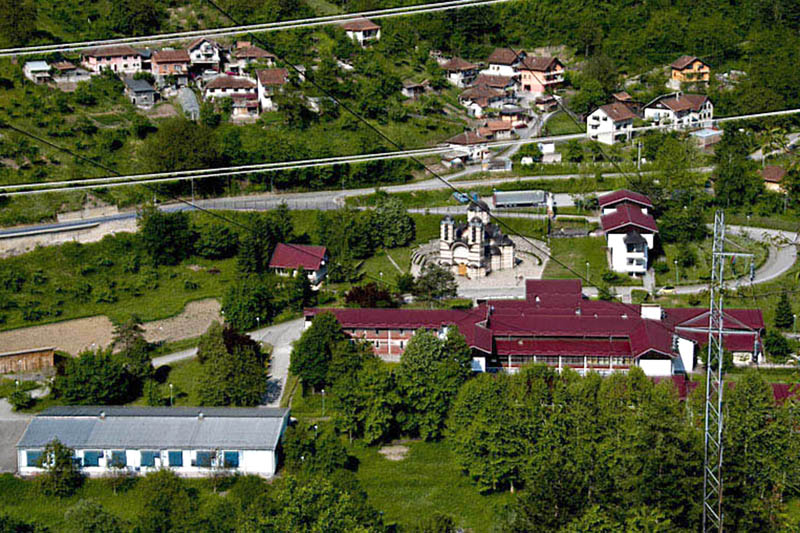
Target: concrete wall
column 11, row 246
column 656, row 367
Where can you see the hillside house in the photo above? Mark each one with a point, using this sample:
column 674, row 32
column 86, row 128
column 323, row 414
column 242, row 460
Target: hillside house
column 497, row 130
column 140, row 93
column 244, row 107
column 205, row 54
column 540, row 75
column 689, row 69
column 37, row 71
column 504, row 62
column 507, row 84
column 471, row 144
column 629, row 229
column 363, row 31
column 557, row 325
column 628, row 101
column 171, row 63
column 460, row 72
column 773, row 177
column 121, row 59
column 287, row 259
column 270, row 82
column 227, row 86
column 610, row 123
column 189, row 441
column 414, row 90
column 681, row 111
column 245, row 55
column 68, row 72
column 478, row 99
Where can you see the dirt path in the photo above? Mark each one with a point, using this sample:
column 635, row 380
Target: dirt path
column 73, row 336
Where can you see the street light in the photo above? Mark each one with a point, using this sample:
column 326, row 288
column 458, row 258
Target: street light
column 675, row 261
column 170, row 394
column 258, row 322
column 587, row 270
column 794, row 324
column 323, row 402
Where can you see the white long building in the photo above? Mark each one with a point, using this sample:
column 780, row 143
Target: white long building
column 190, row 441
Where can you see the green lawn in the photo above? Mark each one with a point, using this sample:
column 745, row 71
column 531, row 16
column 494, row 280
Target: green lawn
column 426, row 481
column 700, row 272
column 562, row 124
column 574, row 253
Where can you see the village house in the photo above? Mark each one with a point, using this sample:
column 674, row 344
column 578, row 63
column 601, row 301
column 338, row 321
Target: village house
column 37, row 71
column 497, row 130
column 140, row 92
column 469, row 144
column 479, row 98
column 627, row 100
column 189, row 441
column 773, row 177
column 539, row 75
column 460, row 72
column 477, row 247
column 121, row 59
column 681, row 111
column 515, row 115
column 244, row 107
column 689, row 69
column 414, row 90
column 226, row 86
column 270, row 82
column 557, row 325
column 67, row 72
column 205, row 54
column 630, row 230
column 610, row 123
column 171, row 63
column 363, row 31
column 245, row 54
column 287, row 259
column 546, row 103
column 507, row 84
column 504, row 62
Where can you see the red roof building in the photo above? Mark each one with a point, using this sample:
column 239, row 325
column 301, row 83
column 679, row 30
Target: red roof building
column 555, row 324
column 288, row 258
column 626, row 217
column 624, row 196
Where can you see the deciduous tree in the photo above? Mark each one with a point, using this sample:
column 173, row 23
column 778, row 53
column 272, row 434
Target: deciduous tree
column 311, row 353
column 61, row 477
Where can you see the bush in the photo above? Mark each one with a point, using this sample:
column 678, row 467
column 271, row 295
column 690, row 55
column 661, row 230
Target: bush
column 251, row 298
column 369, row 295
column 687, row 256
column 776, row 346
column 661, row 267
column 19, row 399
column 216, row 241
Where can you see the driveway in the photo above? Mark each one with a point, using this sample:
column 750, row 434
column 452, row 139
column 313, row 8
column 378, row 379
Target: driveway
column 12, row 426
column 280, row 336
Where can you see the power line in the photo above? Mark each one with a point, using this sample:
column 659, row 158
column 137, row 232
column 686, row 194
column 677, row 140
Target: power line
column 247, row 29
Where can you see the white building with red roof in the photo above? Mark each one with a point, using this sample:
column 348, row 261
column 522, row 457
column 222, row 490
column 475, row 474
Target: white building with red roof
column 557, row 325
column 630, row 230
column 121, row 59
column 205, row 54
column 610, row 123
column 287, row 259
column 460, row 72
column 681, row 111
column 363, row 31
column 504, row 62
column 270, row 82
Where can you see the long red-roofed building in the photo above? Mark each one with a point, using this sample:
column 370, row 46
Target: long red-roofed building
column 556, row 325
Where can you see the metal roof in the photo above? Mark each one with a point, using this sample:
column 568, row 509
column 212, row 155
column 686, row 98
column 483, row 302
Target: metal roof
column 188, row 101
column 519, row 197
column 37, row 66
column 139, row 86
column 156, row 428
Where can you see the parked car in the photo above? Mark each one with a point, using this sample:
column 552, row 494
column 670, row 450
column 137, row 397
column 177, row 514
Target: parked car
column 666, row 289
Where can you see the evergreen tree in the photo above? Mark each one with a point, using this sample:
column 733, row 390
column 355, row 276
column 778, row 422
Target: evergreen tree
column 435, row 283
column 133, row 349
column 95, row 378
column 784, row 315
column 312, row 352
column 167, row 238
column 300, row 294
column 88, row 516
column 250, row 302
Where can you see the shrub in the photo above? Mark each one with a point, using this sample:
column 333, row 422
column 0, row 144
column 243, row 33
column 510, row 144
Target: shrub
column 216, row 241
column 687, row 257
column 661, row 267
column 19, row 399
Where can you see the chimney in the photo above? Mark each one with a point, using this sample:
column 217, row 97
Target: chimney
column 200, row 416
column 102, row 415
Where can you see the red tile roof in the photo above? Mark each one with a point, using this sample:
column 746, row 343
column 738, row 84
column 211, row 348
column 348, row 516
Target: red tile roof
column 197, row 42
column 171, row 56
column 360, row 25
column 539, row 64
column 63, row 66
column 273, row 76
column 773, row 173
column 628, row 215
column 295, row 256
column 505, row 56
column 466, row 138
column 622, row 195
column 111, row 51
column 252, row 52
column 683, row 102
column 685, row 61
column 493, row 81
column 618, row 112
column 230, row 82
column 459, row 65
column 483, row 95
column 622, row 96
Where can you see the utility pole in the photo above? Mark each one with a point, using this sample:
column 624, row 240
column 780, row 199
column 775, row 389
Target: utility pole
column 713, row 447
column 639, row 156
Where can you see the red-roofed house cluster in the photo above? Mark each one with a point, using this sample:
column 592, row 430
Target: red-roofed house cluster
column 556, row 325
column 630, row 230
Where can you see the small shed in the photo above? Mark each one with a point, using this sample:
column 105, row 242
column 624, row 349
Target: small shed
column 141, row 93
column 37, row 71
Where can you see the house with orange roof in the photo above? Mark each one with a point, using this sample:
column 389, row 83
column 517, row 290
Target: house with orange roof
column 363, row 31
column 539, row 75
column 610, row 123
column 689, row 69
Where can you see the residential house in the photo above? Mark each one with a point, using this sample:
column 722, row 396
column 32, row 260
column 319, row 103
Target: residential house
column 557, row 325
column 497, row 130
column 140, row 92
column 189, row 441
column 287, row 259
column 515, row 115
column 627, row 100
column 681, row 111
column 363, row 31
column 773, row 177
column 171, row 63
column 540, row 75
column 629, row 229
column 471, row 144
column 189, row 103
column 67, row 72
column 610, row 123
column 478, row 99
column 37, row 71
column 226, row 86
column 245, row 107
column 460, row 72
column 689, row 69
column 270, row 82
column 507, row 84
column 245, row 55
column 413, row 89
column 546, row 103
column 504, row 62
column 121, row 59
column 205, row 54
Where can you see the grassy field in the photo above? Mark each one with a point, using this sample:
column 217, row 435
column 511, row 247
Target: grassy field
column 701, row 270
column 426, row 481
column 574, row 253
column 562, row 124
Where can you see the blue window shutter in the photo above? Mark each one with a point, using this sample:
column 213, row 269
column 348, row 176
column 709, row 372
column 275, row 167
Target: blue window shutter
column 91, row 458
column 33, row 457
column 231, row 459
column 175, row 458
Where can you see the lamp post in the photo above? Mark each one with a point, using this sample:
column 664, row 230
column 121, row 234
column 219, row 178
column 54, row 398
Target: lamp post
column 794, row 324
column 587, row 270
column 323, row 402
column 258, row 322
column 170, row 394
column 675, row 262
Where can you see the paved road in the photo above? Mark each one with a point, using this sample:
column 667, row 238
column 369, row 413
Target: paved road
column 12, row 426
column 792, row 140
column 280, row 336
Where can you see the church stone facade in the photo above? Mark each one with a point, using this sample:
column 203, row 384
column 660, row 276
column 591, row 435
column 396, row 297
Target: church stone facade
column 476, row 248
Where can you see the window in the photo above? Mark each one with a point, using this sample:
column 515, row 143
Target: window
column 119, row 458
column 149, row 458
column 92, row 458
column 33, row 457
column 203, row 459
column 231, row 459
column 175, row 458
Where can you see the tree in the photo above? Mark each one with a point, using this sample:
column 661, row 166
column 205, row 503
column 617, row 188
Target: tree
column 180, row 144
column 436, row 523
column 394, row 225
column 250, row 302
column 681, row 225
column 784, row 314
column 216, row 241
column 430, row 374
column 369, row 295
column 88, row 516
column 314, row 449
column 20, row 399
column 12, row 525
column 18, row 23
column 776, row 346
column 257, row 245
column 136, row 17
column 234, row 368
column 299, row 291
column 61, row 476
column 435, row 283
column 133, row 349
column 735, row 180
column 169, row 506
column 167, row 238
column 94, row 378
column 311, row 353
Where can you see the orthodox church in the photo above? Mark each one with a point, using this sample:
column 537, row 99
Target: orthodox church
column 477, row 247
